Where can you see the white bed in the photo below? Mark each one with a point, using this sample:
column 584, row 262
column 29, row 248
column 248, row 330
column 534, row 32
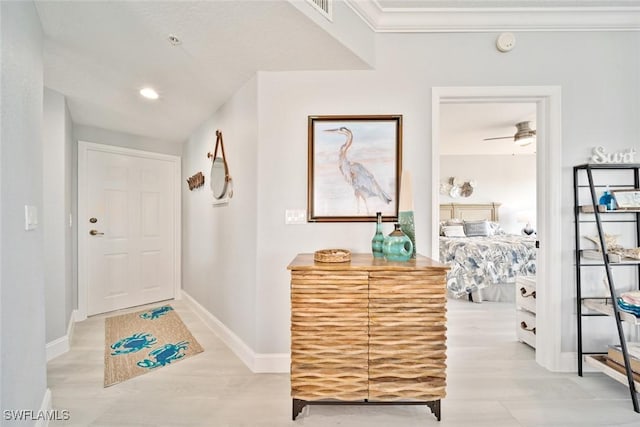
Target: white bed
column 484, row 267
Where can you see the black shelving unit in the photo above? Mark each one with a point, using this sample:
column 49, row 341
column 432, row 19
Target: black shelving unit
column 604, row 305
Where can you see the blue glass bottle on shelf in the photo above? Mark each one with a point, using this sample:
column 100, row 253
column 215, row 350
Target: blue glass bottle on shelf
column 397, row 246
column 378, row 238
column 607, row 200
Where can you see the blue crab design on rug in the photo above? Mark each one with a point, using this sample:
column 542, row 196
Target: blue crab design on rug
column 156, row 312
column 164, row 355
column 133, row 343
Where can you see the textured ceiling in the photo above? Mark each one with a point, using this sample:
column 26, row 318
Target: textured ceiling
column 99, row 54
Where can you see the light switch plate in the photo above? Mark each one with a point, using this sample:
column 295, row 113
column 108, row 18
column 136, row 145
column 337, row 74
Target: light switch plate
column 295, row 216
column 30, row 217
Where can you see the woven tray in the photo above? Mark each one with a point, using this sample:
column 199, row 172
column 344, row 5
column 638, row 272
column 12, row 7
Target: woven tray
column 332, row 255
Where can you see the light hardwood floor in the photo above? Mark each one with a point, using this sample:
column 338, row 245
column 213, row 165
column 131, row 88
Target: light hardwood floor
column 492, row 380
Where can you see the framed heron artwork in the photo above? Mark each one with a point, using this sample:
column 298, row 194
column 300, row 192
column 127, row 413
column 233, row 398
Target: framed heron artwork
column 354, row 166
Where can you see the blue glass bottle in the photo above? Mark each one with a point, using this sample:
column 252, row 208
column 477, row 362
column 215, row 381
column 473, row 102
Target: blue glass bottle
column 378, row 238
column 607, row 200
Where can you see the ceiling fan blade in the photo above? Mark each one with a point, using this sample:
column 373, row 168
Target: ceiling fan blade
column 500, row 137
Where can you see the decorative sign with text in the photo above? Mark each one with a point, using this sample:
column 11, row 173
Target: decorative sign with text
column 601, row 156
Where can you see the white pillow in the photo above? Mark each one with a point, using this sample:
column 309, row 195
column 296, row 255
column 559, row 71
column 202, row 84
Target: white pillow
column 442, row 224
column 495, row 229
column 453, row 231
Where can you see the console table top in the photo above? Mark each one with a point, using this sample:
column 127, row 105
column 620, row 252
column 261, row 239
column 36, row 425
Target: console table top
column 365, row 262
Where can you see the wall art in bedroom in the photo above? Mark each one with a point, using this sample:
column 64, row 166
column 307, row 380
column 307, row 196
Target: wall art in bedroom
column 354, row 165
column 455, row 188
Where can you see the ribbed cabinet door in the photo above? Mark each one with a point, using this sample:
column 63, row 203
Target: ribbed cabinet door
column 329, row 334
column 407, row 335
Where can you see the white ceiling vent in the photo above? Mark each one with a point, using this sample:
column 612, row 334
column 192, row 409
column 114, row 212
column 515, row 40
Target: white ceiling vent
column 324, row 7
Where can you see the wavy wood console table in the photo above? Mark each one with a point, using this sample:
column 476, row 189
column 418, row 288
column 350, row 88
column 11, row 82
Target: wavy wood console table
column 368, row 331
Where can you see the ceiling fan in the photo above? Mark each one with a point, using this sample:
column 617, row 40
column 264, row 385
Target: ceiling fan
column 524, row 135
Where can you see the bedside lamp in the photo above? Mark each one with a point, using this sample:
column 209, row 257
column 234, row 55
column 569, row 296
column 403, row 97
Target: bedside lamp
column 526, row 218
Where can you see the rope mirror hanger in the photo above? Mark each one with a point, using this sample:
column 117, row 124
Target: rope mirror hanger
column 220, row 179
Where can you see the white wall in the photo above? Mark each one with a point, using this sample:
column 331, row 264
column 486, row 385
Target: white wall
column 22, row 331
column 219, row 242
column 1, row 206
column 127, row 140
column 71, row 207
column 599, row 107
column 57, row 196
column 346, row 26
column 285, row 101
column 506, row 179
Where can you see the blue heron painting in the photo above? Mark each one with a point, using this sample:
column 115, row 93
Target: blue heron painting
column 355, row 168
column 357, row 176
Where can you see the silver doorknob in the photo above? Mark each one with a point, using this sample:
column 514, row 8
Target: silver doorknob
column 95, row 233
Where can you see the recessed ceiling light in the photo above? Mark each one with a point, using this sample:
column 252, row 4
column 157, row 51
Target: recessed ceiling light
column 174, row 40
column 149, row 93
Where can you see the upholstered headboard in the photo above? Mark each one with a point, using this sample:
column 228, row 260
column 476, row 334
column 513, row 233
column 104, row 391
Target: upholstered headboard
column 470, row 212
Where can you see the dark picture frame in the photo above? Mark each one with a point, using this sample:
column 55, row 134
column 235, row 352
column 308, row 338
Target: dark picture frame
column 354, row 167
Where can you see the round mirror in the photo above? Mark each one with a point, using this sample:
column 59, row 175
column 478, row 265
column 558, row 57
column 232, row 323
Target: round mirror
column 218, row 179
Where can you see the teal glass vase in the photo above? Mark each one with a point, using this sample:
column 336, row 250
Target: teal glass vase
column 407, row 226
column 378, row 238
column 397, row 246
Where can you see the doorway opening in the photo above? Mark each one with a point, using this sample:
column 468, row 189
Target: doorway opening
column 548, row 198
column 488, row 179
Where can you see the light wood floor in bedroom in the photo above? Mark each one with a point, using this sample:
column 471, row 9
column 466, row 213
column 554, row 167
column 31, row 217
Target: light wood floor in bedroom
column 493, row 380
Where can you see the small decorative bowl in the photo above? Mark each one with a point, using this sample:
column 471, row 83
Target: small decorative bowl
column 332, row 255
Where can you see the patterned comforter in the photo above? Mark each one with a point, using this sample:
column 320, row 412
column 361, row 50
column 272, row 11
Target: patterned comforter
column 478, row 262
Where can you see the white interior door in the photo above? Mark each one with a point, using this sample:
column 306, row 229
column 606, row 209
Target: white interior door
column 129, row 230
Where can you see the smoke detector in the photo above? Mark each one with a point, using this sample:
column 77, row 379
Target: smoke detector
column 505, row 42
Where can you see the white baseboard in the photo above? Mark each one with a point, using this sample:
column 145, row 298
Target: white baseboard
column 61, row 345
column 45, row 407
column 256, row 362
column 272, row 363
column 57, row 347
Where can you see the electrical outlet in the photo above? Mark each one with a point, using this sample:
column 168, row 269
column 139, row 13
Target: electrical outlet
column 30, row 217
column 295, row 216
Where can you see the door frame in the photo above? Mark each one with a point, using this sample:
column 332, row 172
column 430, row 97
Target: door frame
column 548, row 199
column 83, row 227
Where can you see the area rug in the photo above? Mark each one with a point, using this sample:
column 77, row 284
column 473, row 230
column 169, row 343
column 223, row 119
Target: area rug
column 137, row 343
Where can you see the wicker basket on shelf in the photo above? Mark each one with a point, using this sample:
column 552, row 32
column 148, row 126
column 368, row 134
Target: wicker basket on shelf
column 332, row 255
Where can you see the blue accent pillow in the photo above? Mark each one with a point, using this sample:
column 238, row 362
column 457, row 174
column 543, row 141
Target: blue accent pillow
column 476, row 228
